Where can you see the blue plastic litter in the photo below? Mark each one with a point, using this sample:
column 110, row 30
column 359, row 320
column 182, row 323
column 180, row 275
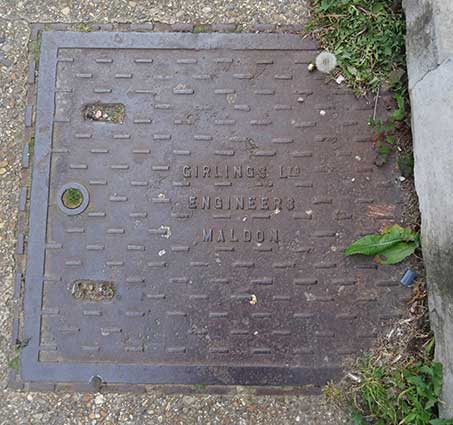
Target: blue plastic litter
column 408, row 278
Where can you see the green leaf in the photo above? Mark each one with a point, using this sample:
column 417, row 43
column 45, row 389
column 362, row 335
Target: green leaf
column 429, row 348
column 398, row 115
column 441, row 422
column 406, row 165
column 409, row 418
column 378, row 243
column 352, row 70
column 357, row 418
column 437, row 369
column 390, row 139
column 396, row 253
column 384, row 149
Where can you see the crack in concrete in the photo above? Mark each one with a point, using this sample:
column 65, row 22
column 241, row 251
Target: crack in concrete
column 430, row 71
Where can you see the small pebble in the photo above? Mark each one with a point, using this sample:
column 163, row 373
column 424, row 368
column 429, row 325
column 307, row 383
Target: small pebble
column 340, row 79
column 99, row 399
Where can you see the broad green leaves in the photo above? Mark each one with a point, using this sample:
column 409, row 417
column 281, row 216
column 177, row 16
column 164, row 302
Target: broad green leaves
column 392, row 246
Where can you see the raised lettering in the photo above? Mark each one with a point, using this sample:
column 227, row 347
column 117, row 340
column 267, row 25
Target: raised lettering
column 207, row 235
column 205, row 202
column 192, row 202
column 187, row 171
column 237, row 171
column 252, row 203
column 239, row 202
column 221, row 237
column 274, row 235
column 260, row 236
column 206, row 171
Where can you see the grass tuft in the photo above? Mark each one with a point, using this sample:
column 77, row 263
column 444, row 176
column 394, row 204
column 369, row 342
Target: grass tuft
column 367, row 37
column 14, row 363
column 35, row 47
column 83, row 27
column 407, row 393
column 200, row 387
column 399, row 383
column 199, row 28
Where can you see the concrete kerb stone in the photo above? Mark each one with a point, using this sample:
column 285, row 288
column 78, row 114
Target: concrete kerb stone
column 429, row 36
column 430, row 66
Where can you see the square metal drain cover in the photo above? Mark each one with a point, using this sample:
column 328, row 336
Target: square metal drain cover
column 201, row 239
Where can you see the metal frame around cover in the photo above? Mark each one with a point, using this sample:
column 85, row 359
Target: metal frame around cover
column 31, row 368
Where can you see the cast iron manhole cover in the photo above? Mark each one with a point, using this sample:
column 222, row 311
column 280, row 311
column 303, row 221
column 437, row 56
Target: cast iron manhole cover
column 191, row 199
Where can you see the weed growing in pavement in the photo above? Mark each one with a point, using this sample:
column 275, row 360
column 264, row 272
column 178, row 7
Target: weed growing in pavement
column 83, row 27
column 404, row 393
column 199, row 28
column 394, row 386
column 35, row 47
column 367, row 37
column 391, row 246
column 14, row 363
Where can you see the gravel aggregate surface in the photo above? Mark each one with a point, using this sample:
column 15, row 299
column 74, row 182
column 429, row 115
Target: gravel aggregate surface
column 153, row 407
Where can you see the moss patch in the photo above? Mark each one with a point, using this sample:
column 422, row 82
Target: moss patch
column 93, row 290
column 72, row 198
column 35, row 47
column 105, row 112
column 83, row 27
column 14, row 363
column 201, row 28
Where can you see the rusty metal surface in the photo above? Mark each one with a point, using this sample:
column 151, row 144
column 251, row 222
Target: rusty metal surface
column 218, row 212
